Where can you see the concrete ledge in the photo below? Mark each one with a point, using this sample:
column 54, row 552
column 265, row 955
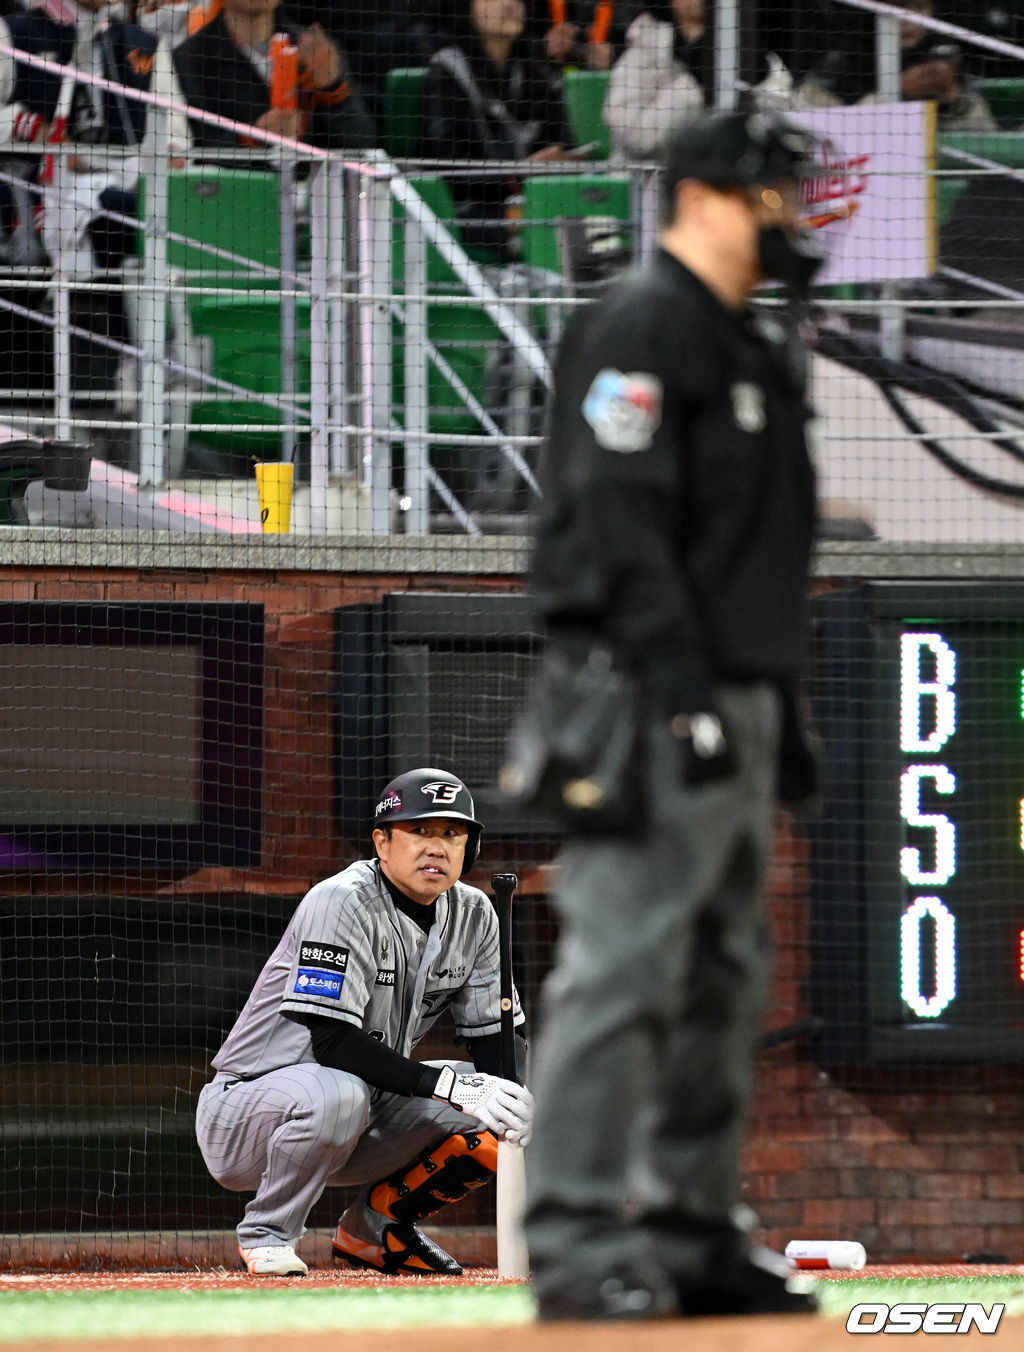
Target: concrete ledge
column 60, row 547
column 487, row 555
column 863, row 560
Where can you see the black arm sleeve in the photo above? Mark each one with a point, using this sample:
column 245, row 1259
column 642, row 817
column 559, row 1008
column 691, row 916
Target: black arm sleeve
column 343, row 1046
column 485, row 1053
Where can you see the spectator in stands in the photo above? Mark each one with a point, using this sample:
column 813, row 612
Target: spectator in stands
column 587, row 34
column 932, row 66
column 384, row 35
column 486, row 97
column 658, row 82
column 172, row 20
column 85, row 198
column 225, row 68
column 993, row 19
column 40, row 107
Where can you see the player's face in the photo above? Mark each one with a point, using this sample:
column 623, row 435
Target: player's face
column 423, row 858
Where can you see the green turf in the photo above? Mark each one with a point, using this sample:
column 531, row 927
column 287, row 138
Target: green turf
column 122, row 1312
column 837, row 1299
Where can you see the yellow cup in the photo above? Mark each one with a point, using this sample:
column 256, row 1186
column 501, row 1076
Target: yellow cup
column 274, row 481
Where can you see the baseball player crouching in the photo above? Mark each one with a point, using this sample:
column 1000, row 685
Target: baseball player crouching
column 314, row 1086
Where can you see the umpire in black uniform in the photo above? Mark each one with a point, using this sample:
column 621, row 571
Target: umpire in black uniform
column 671, row 557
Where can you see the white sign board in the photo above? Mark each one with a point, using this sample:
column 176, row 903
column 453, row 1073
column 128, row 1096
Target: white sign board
column 874, row 206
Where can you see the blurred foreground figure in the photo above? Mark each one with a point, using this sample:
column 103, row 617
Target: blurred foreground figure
column 671, row 575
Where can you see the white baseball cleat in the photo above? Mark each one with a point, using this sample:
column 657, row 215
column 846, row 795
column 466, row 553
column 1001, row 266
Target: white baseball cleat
column 273, row 1260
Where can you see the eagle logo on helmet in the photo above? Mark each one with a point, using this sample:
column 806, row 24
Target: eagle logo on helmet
column 443, row 794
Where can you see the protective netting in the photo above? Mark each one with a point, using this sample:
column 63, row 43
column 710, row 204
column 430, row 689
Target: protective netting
column 280, row 292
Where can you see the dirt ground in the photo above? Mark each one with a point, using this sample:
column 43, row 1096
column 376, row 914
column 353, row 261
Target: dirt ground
column 802, row 1333
column 795, row 1333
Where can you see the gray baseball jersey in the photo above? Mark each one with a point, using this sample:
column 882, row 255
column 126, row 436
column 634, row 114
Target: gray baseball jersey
column 349, row 953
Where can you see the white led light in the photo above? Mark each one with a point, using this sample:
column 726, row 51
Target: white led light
column 928, row 1006
column 913, row 690
column 945, row 830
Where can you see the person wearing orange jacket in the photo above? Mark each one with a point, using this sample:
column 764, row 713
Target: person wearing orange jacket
column 227, row 67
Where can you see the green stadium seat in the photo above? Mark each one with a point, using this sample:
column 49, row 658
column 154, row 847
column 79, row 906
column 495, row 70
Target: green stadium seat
column 1005, row 95
column 238, row 211
column 465, row 336
column 244, row 332
column 437, row 196
column 402, row 118
column 600, row 202
column 1004, row 147
column 233, row 209
column 583, row 92
column 468, row 340
column 947, row 190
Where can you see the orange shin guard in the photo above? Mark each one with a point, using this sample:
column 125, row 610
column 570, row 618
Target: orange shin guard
column 445, row 1174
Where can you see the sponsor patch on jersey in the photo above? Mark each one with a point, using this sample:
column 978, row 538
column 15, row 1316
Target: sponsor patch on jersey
column 324, row 957
column 314, row 981
column 624, row 409
column 385, row 978
column 748, row 406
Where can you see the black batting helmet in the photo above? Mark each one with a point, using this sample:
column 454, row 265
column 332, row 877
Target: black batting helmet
column 430, row 793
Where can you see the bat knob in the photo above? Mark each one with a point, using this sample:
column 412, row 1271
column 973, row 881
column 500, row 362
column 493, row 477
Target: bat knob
column 504, row 880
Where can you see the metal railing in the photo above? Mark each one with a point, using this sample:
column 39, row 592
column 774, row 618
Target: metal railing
column 347, row 422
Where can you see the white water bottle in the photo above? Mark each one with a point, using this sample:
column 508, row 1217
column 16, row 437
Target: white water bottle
column 835, row 1254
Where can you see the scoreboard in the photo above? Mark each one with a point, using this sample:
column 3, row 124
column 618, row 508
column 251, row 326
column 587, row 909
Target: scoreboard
column 917, row 867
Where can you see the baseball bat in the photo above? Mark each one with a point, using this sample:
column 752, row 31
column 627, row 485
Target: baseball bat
column 513, row 1261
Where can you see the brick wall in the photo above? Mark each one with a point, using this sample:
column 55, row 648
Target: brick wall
column 923, row 1164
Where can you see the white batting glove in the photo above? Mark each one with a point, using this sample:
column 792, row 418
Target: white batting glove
column 502, row 1106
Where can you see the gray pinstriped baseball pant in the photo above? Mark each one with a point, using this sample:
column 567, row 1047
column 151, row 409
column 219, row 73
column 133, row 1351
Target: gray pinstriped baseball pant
column 292, row 1132
column 643, row 1070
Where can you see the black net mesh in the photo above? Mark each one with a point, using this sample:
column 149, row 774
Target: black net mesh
column 280, row 294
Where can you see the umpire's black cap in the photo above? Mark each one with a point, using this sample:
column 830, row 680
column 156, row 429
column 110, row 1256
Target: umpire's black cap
column 738, row 150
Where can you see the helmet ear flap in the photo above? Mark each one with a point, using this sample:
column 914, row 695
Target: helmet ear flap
column 472, row 849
